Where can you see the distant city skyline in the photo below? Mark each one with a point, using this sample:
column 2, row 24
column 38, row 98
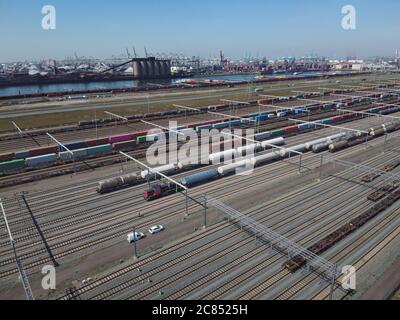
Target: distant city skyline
column 198, row 28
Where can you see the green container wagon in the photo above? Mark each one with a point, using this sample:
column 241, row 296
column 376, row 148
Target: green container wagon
column 12, row 165
column 97, row 150
column 141, row 139
column 22, row 154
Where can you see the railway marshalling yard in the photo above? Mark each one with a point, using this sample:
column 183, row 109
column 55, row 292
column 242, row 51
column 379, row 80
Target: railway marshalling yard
column 233, row 236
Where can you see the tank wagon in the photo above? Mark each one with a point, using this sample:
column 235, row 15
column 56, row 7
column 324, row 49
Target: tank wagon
column 164, row 189
column 117, row 183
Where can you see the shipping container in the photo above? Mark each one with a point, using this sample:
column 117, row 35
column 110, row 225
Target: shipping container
column 21, row 154
column 306, row 126
column 262, row 136
column 141, row 139
column 220, row 125
column 204, row 127
column 75, row 145
column 124, row 146
column 96, row 142
column 12, row 165
column 138, row 134
column 277, row 132
column 79, row 154
column 6, row 156
column 43, row 150
column 291, row 129
column 234, row 123
column 120, row 138
column 40, row 161
column 98, row 150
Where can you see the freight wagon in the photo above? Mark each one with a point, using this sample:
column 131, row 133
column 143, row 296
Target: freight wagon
column 12, row 165
column 41, row 161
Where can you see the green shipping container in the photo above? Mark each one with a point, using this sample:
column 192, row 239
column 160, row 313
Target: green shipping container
column 105, row 148
column 277, row 132
column 12, row 165
column 141, row 139
column 22, row 154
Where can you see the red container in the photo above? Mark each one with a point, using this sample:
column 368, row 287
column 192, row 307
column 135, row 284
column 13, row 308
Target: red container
column 42, row 151
column 291, row 129
column 191, row 125
column 337, row 119
column 6, row 156
column 96, row 142
column 138, row 134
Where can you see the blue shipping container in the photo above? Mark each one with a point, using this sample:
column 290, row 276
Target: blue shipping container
column 41, row 160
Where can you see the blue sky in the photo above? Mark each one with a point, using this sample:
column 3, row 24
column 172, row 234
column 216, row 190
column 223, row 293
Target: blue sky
column 265, row 27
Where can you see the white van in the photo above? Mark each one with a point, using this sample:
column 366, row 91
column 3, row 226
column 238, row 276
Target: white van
column 134, row 236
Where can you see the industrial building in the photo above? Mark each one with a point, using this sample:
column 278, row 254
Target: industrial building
column 151, row 68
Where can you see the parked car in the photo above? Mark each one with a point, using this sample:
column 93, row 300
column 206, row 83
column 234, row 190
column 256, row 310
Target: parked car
column 156, row 229
column 134, row 236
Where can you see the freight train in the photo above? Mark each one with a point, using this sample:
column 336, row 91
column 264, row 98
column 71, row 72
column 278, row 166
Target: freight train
column 164, row 189
column 17, row 161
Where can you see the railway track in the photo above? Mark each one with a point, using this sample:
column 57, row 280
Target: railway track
column 121, row 231
column 125, row 284
column 293, row 141
column 239, row 280
column 362, row 262
column 341, row 255
column 57, row 170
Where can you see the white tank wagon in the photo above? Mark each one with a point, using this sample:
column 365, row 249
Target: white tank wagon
column 220, row 156
column 290, row 151
column 276, row 142
column 274, row 155
column 232, row 167
column 249, row 149
column 316, row 148
column 329, row 139
column 165, row 169
column 252, row 148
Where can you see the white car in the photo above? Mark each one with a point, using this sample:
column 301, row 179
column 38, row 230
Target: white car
column 156, row 229
column 134, row 236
